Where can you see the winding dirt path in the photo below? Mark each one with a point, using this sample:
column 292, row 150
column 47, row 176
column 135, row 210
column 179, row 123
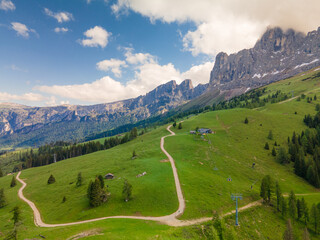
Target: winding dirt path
column 170, row 220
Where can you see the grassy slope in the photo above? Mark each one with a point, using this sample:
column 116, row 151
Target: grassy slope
column 234, row 148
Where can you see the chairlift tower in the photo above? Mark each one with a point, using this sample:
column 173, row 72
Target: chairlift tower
column 236, row 197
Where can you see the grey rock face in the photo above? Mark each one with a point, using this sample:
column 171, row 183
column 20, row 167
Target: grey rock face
column 21, row 119
column 277, row 55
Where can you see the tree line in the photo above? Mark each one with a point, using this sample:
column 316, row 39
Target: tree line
column 290, row 206
column 304, row 150
column 48, row 154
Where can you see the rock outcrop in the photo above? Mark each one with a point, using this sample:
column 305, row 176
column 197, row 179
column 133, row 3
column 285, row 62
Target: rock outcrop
column 277, row 55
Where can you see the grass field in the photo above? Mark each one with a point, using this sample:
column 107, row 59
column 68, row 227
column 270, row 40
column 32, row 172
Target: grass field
column 203, row 167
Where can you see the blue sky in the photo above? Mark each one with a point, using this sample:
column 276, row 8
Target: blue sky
column 87, row 52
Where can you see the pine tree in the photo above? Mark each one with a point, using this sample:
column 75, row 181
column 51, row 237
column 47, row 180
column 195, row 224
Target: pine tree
column 64, row 199
column 299, row 209
column 288, row 234
column 266, row 188
column 292, row 205
column 270, row 135
column 16, row 215
column 2, row 198
column 51, row 179
column 315, row 218
column 94, row 199
column 180, row 126
column 1, row 173
column 275, row 143
column 278, row 195
column 246, row 120
column 174, row 124
column 284, row 206
column 89, row 191
column 134, row 154
column 127, row 191
column 282, row 156
column 274, row 153
column 13, row 182
column 79, row 180
column 305, row 211
column 101, row 181
column 266, row 146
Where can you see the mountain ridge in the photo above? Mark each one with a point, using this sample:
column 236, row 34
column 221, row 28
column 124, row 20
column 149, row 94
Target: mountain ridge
column 19, row 120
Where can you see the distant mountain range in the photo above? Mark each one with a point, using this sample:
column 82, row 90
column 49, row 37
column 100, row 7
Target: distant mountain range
column 277, row 55
column 22, row 126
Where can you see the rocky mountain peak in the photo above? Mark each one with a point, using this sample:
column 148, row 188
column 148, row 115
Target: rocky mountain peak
column 278, row 54
column 275, row 39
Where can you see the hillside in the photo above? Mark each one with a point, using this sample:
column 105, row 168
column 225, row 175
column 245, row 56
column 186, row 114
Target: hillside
column 203, row 165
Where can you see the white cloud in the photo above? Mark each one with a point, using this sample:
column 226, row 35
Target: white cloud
column 7, row 5
column 147, row 77
column 228, row 25
column 138, row 58
column 96, row 37
column 30, row 97
column 61, row 30
column 114, row 65
column 22, row 29
column 199, row 73
column 59, row 16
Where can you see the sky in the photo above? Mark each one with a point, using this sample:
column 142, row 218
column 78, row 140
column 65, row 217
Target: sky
column 98, row 51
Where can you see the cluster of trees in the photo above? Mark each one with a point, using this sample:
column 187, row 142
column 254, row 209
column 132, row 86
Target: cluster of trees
column 48, row 154
column 251, row 99
column 97, row 192
column 289, row 206
column 304, row 151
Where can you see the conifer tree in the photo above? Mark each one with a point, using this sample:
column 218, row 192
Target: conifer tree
column 51, row 179
column 299, row 209
column 266, row 188
column 180, row 126
column 292, row 205
column 266, row 146
column 270, row 135
column 305, row 211
column 246, row 120
column 278, row 195
column 16, row 215
column 288, row 234
column 134, row 154
column 3, row 200
column 1, row 173
column 127, row 191
column 315, row 218
column 94, row 199
column 64, row 199
column 274, row 153
column 101, row 181
column 13, row 182
column 284, row 206
column 79, row 180
column 174, row 124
